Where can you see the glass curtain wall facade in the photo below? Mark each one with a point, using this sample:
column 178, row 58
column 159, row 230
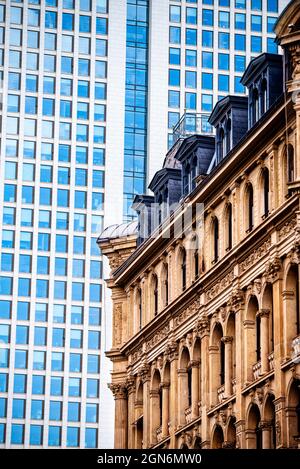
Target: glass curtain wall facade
column 135, row 141
column 53, row 65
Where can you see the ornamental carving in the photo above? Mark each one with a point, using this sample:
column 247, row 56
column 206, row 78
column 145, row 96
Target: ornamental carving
column 273, row 267
column 137, row 355
column 186, row 313
column 287, row 228
column 119, row 390
column 236, row 299
column 117, row 325
column 295, row 58
column 157, row 337
column 220, row 286
column 255, row 256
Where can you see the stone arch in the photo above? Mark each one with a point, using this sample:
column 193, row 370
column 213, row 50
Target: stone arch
column 248, row 204
column 251, row 336
column 184, row 384
column 291, row 306
column 253, row 427
column 217, row 363
column 269, row 431
column 293, row 412
column 264, row 191
column 228, row 226
column 139, row 415
column 155, row 404
column 217, row 437
column 231, row 433
column 267, row 305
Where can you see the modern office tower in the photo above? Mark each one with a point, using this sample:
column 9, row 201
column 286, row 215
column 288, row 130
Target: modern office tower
column 90, row 90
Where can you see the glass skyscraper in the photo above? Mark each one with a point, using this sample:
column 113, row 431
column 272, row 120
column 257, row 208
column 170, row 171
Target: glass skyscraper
column 90, row 92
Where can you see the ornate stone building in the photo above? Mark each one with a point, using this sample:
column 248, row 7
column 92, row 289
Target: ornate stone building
column 206, row 336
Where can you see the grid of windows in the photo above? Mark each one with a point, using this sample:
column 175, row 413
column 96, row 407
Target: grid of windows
column 210, row 45
column 136, row 90
column 53, row 133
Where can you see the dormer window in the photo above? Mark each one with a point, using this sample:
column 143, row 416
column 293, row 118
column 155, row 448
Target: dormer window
column 194, row 173
column 263, row 96
column 186, row 179
column 228, row 135
column 222, row 144
column 255, row 106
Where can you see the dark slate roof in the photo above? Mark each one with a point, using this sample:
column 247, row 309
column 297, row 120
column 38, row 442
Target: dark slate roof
column 256, row 64
column 222, row 106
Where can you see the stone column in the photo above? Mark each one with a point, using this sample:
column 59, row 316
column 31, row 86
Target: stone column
column 154, row 415
column 214, row 377
column 203, row 327
column 172, row 353
column 195, row 388
column 249, row 355
column 228, row 364
column 266, row 429
column 145, row 376
column 131, row 411
column 182, row 397
column 264, row 339
column 121, row 414
column 165, row 409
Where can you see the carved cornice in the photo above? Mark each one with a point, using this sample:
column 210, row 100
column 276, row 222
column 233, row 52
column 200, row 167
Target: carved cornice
column 220, row 285
column 157, row 337
column 255, row 255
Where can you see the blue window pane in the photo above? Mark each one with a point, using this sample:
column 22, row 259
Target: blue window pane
column 91, row 413
column 75, row 362
column 5, row 309
column 174, row 35
column 256, row 44
column 4, row 358
column 73, row 412
column 91, row 438
column 2, row 433
column 23, row 310
column 3, row 407
column 20, row 382
column 17, row 434
column 50, row 19
column 4, row 382
column 93, row 364
column 74, row 387
column 92, row 388
column 22, row 334
column 38, row 384
column 68, row 21
column 55, row 412
column 239, row 63
column 207, row 38
column 72, row 436
column 36, row 434
column 56, row 386
column 37, row 409
column 94, row 316
column 240, row 42
column 54, row 436
column 57, row 362
column 18, row 408
column 191, row 37
column 224, row 40
column 101, row 26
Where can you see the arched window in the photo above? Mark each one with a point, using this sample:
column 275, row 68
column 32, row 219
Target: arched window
column 222, row 146
column 186, row 179
column 250, row 207
column 189, row 373
column 165, row 284
column 229, row 227
column 258, row 344
column 183, row 269
column 140, row 308
column 215, row 239
column 290, row 163
column 228, row 136
column 255, row 106
column 155, row 294
column 222, row 362
column 194, row 172
column 266, row 188
column 159, row 209
column 196, row 263
column 263, row 102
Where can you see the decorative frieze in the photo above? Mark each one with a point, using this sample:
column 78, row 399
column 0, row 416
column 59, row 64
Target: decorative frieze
column 220, row 285
column 186, row 313
column 287, row 228
column 255, row 255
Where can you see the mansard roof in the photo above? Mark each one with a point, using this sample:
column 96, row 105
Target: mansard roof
column 222, row 106
column 257, row 64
